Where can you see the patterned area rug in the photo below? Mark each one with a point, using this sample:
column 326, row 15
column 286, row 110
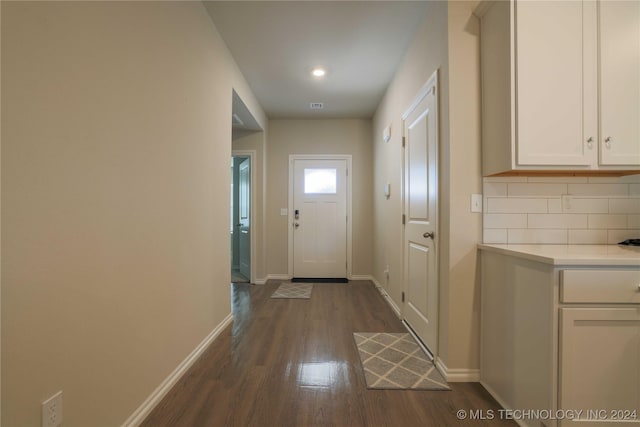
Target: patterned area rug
column 395, row 361
column 293, row 290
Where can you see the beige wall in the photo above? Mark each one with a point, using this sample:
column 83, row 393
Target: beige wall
column 465, row 179
column 116, row 140
column 443, row 42
column 319, row 137
column 427, row 53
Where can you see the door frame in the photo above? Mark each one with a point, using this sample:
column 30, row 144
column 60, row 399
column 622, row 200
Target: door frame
column 292, row 159
column 421, row 94
column 251, row 154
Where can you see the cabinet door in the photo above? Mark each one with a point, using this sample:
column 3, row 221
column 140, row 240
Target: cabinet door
column 600, row 361
column 549, row 84
column 619, row 82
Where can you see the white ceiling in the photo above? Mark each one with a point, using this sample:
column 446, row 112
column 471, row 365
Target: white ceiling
column 277, row 43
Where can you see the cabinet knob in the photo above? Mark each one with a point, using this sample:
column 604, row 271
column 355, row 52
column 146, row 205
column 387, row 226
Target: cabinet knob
column 590, row 142
column 608, row 141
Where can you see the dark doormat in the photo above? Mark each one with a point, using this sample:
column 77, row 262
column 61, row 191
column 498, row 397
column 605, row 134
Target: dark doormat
column 319, row 280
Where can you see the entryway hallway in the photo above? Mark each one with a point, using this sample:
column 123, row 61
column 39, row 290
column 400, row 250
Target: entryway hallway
column 287, row 362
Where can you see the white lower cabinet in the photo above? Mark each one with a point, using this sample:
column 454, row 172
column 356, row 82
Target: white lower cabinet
column 560, row 344
column 600, row 364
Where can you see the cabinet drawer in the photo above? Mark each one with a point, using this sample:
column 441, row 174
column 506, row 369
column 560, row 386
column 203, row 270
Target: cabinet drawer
column 600, row 286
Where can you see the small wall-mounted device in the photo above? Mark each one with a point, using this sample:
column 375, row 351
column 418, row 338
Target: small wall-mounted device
column 297, row 213
column 387, row 190
column 386, row 134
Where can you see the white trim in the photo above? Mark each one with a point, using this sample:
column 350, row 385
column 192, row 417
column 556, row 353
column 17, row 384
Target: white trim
column 161, row 391
column 422, row 93
column 376, row 283
column 458, row 375
column 387, row 298
column 278, row 277
column 348, row 159
column 251, row 154
column 361, row 277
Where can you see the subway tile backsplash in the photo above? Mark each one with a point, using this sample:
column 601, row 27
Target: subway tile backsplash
column 556, row 210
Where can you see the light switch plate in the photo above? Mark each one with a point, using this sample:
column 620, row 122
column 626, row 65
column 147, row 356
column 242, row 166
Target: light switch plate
column 476, row 203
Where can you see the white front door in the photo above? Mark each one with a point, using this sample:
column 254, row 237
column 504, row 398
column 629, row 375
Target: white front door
column 420, row 308
column 244, row 210
column 320, row 219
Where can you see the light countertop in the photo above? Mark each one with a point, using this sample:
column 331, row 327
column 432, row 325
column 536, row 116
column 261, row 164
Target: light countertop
column 605, row 255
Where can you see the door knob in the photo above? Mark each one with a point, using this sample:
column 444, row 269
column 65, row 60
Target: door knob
column 296, row 225
column 430, row 235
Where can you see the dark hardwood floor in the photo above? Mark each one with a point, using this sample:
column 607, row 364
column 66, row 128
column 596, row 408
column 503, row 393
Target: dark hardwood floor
column 290, row 362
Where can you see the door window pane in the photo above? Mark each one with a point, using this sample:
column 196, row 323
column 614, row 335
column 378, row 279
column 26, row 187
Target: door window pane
column 320, row 181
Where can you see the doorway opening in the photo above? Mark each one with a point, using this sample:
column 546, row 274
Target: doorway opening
column 240, row 219
column 243, row 187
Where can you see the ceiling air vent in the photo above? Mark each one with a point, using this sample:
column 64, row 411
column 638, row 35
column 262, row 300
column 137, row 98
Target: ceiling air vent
column 316, row 105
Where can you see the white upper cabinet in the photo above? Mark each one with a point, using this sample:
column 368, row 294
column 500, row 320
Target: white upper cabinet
column 619, row 82
column 560, row 85
column 549, row 83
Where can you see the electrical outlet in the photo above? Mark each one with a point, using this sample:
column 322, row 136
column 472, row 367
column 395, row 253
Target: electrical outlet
column 52, row 411
column 476, row 203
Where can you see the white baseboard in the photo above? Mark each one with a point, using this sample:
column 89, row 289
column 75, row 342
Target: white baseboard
column 387, row 298
column 287, row 277
column 458, row 375
column 277, row 277
column 161, row 391
column 361, row 277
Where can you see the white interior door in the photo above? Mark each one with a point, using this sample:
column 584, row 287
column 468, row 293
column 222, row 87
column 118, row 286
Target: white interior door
column 320, row 219
column 244, row 210
column 420, row 308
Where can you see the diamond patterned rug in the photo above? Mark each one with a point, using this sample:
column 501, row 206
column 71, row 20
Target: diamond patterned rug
column 293, row 290
column 395, row 361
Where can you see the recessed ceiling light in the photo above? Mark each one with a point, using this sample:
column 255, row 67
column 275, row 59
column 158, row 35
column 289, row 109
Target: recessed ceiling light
column 318, row 72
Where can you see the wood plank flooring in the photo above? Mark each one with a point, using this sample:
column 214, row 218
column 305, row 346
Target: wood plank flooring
column 294, row 363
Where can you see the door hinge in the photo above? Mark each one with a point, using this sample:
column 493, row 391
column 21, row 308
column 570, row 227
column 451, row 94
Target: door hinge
column 433, row 90
column 402, row 296
column 347, row 172
column 404, row 141
column 404, row 219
